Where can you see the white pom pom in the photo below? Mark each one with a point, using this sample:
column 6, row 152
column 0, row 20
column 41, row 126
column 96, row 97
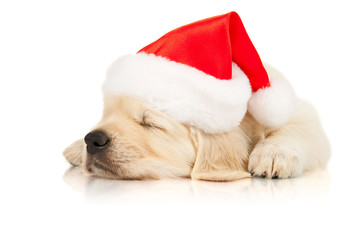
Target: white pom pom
column 275, row 105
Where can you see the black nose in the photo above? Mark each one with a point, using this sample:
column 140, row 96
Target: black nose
column 96, row 141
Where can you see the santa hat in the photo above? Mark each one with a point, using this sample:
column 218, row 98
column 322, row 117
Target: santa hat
column 205, row 74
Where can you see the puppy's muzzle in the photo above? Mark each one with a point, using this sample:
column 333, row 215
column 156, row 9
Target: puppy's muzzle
column 96, row 142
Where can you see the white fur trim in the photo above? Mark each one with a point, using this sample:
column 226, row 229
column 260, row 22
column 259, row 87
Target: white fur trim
column 182, row 92
column 275, row 105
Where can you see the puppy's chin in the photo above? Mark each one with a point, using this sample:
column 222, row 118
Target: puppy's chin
column 100, row 166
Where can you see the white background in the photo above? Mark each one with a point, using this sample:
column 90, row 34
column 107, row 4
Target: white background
column 53, row 58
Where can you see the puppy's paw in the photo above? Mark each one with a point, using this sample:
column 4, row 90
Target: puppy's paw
column 275, row 161
column 74, row 152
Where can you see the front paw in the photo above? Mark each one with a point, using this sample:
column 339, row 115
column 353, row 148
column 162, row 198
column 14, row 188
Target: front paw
column 73, row 154
column 275, row 161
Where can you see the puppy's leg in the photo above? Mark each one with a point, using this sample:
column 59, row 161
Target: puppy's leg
column 220, row 157
column 298, row 146
column 74, row 152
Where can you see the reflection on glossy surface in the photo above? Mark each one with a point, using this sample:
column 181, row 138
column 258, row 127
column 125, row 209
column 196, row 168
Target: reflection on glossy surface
column 311, row 186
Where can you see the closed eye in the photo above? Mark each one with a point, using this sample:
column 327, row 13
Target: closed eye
column 148, row 124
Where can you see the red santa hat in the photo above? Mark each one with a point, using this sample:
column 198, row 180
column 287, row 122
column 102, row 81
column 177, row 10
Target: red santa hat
column 205, row 74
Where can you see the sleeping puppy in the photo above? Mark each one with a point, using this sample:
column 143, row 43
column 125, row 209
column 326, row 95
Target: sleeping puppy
column 199, row 103
column 134, row 141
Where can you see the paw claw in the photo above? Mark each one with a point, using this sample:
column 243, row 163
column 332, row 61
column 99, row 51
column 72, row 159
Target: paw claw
column 275, row 176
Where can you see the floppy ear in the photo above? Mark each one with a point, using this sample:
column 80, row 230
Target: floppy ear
column 220, row 157
column 74, row 152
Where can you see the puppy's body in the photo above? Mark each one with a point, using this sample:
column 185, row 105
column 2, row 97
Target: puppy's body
column 145, row 143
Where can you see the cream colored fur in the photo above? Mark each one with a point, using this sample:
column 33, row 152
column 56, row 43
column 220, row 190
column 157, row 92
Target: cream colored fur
column 147, row 144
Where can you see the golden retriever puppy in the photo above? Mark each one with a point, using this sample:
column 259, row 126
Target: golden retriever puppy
column 133, row 141
column 199, row 103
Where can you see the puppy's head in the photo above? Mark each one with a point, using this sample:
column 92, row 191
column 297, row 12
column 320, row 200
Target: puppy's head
column 133, row 141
